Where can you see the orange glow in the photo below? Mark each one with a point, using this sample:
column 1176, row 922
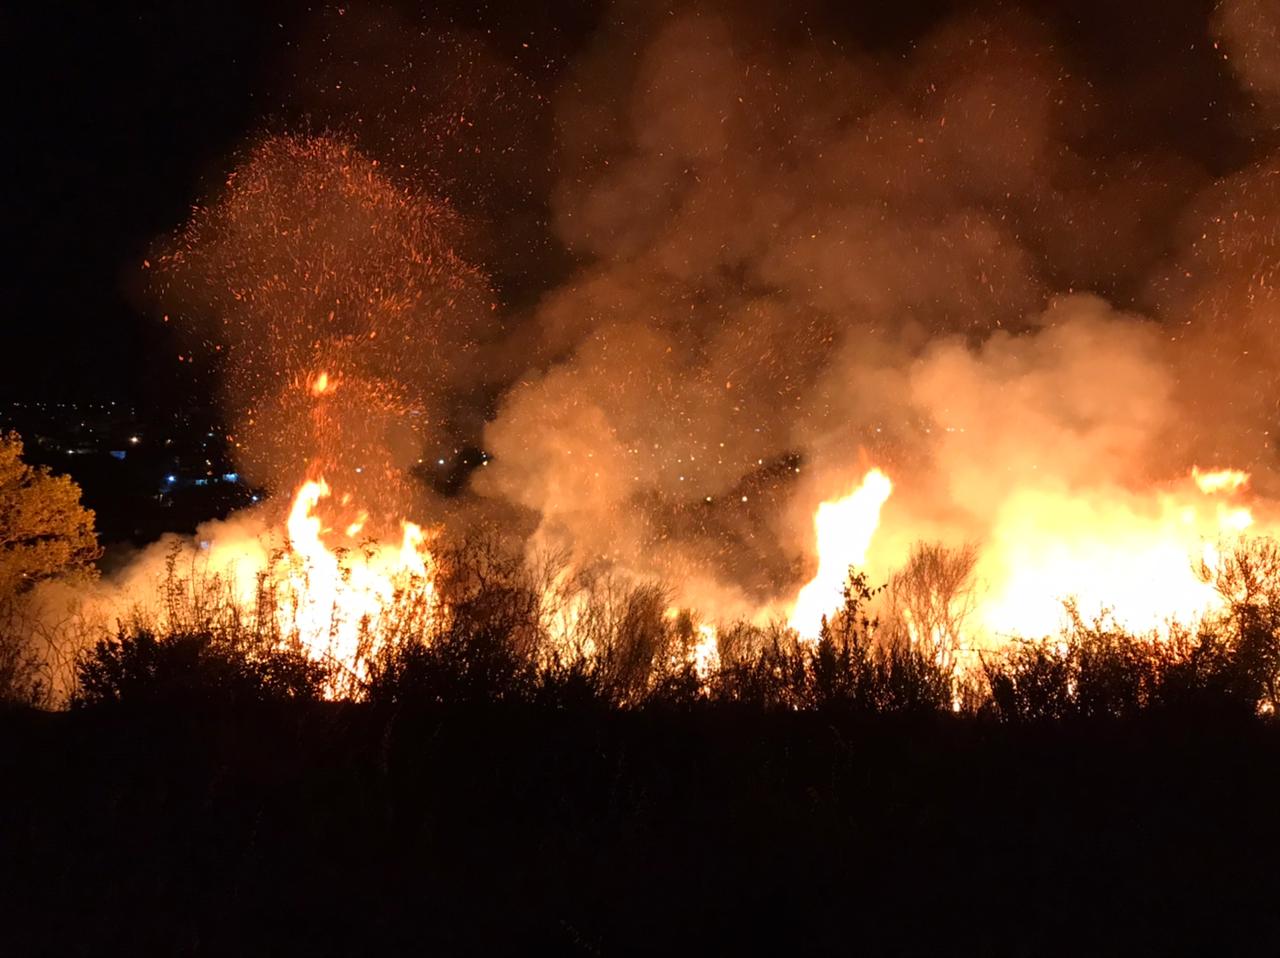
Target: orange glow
column 320, row 383
column 1131, row 555
column 1135, row 556
column 844, row 529
column 335, row 602
column 354, row 528
column 1220, row 480
column 706, row 653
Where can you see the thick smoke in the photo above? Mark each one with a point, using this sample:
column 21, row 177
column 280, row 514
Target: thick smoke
column 794, row 258
column 797, row 262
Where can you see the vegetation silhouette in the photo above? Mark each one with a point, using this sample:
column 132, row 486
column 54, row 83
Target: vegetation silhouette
column 624, row 649
column 550, row 767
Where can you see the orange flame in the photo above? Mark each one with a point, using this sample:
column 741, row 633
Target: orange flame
column 1220, row 480
column 844, row 528
column 1134, row 556
column 334, row 602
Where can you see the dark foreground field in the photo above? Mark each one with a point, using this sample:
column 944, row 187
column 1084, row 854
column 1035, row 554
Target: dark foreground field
column 310, row 828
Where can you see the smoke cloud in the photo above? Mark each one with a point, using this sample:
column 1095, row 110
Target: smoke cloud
column 798, row 261
column 792, row 257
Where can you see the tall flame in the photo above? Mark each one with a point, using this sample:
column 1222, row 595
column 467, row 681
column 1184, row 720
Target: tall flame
column 844, row 530
column 335, row 602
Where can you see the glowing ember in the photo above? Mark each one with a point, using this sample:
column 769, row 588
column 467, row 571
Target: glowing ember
column 354, row 528
column 844, row 528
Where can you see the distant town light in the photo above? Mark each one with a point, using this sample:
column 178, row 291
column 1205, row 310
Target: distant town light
column 170, row 478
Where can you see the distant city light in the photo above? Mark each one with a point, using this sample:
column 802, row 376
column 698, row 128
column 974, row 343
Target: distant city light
column 170, row 478
column 231, row 477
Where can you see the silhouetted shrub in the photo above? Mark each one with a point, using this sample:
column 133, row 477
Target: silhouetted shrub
column 1031, row 681
column 572, row 685
column 774, row 677
column 139, row 668
column 508, row 631
column 1097, row 670
column 460, row 665
column 850, row 668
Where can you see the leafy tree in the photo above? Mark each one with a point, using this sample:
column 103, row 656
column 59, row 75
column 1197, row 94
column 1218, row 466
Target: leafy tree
column 44, row 530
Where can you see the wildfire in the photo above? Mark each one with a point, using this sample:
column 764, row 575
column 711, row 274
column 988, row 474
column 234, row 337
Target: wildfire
column 1220, row 480
column 336, row 602
column 844, row 530
column 1137, row 557
column 706, row 652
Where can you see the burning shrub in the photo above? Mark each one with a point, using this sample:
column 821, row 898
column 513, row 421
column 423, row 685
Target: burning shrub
column 930, row 599
column 851, row 668
column 1096, row 670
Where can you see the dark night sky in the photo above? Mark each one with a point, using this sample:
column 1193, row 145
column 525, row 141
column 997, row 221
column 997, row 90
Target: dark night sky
column 120, row 117
column 119, row 121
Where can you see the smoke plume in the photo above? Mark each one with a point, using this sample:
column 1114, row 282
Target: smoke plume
column 794, row 256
